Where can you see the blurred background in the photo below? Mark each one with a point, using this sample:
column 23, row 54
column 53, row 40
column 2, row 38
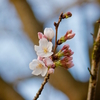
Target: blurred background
column 20, row 20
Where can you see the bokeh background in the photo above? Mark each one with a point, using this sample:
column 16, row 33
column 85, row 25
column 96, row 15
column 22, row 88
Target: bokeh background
column 20, row 20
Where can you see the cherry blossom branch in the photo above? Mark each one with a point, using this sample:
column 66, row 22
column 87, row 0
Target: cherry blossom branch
column 62, row 16
column 42, row 86
column 95, row 68
column 56, row 28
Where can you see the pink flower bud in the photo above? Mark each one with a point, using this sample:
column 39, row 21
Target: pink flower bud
column 40, row 35
column 67, row 64
column 65, row 47
column 49, row 33
column 51, row 70
column 68, row 52
column 69, row 35
column 67, row 58
column 67, row 15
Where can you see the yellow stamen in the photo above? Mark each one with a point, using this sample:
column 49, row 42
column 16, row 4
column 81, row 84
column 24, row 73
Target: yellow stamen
column 40, row 66
column 45, row 50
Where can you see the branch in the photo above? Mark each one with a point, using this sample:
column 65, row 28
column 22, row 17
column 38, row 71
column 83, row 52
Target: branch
column 42, row 86
column 94, row 68
column 56, row 28
column 30, row 24
column 7, row 92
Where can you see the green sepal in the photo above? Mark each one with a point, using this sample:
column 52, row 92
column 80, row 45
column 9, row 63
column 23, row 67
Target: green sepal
column 57, row 63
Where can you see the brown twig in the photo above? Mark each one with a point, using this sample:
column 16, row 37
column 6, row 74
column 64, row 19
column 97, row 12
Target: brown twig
column 48, row 75
column 94, row 68
column 56, row 28
column 90, row 72
column 42, row 86
column 93, row 36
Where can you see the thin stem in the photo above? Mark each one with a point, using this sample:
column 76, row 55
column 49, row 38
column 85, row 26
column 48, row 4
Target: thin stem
column 94, row 68
column 42, row 86
column 56, row 28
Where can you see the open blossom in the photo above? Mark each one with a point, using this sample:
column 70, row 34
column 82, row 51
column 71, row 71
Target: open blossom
column 38, row 67
column 49, row 33
column 44, row 49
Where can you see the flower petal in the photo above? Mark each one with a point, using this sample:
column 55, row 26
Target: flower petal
column 48, row 54
column 37, row 48
column 48, row 61
column 33, row 64
column 43, row 42
column 37, row 71
column 49, row 46
column 44, row 71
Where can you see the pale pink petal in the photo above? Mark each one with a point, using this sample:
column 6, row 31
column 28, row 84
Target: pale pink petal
column 37, row 71
column 43, row 42
column 44, row 71
column 37, row 48
column 40, row 58
column 48, row 54
column 48, row 61
column 40, row 35
column 49, row 46
column 33, row 64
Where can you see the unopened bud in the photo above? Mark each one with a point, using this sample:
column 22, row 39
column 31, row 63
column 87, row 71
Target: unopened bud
column 65, row 47
column 40, row 35
column 49, row 33
column 67, row 15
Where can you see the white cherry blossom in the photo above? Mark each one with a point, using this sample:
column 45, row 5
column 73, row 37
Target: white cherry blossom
column 44, row 49
column 49, row 33
column 38, row 67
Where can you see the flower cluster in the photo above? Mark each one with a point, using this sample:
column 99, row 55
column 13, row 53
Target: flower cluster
column 63, row 57
column 47, row 61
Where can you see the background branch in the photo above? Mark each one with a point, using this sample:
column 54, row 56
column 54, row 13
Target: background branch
column 7, row 92
column 30, row 24
column 94, row 68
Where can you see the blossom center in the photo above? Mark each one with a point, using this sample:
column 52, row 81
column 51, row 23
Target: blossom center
column 40, row 66
column 45, row 50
